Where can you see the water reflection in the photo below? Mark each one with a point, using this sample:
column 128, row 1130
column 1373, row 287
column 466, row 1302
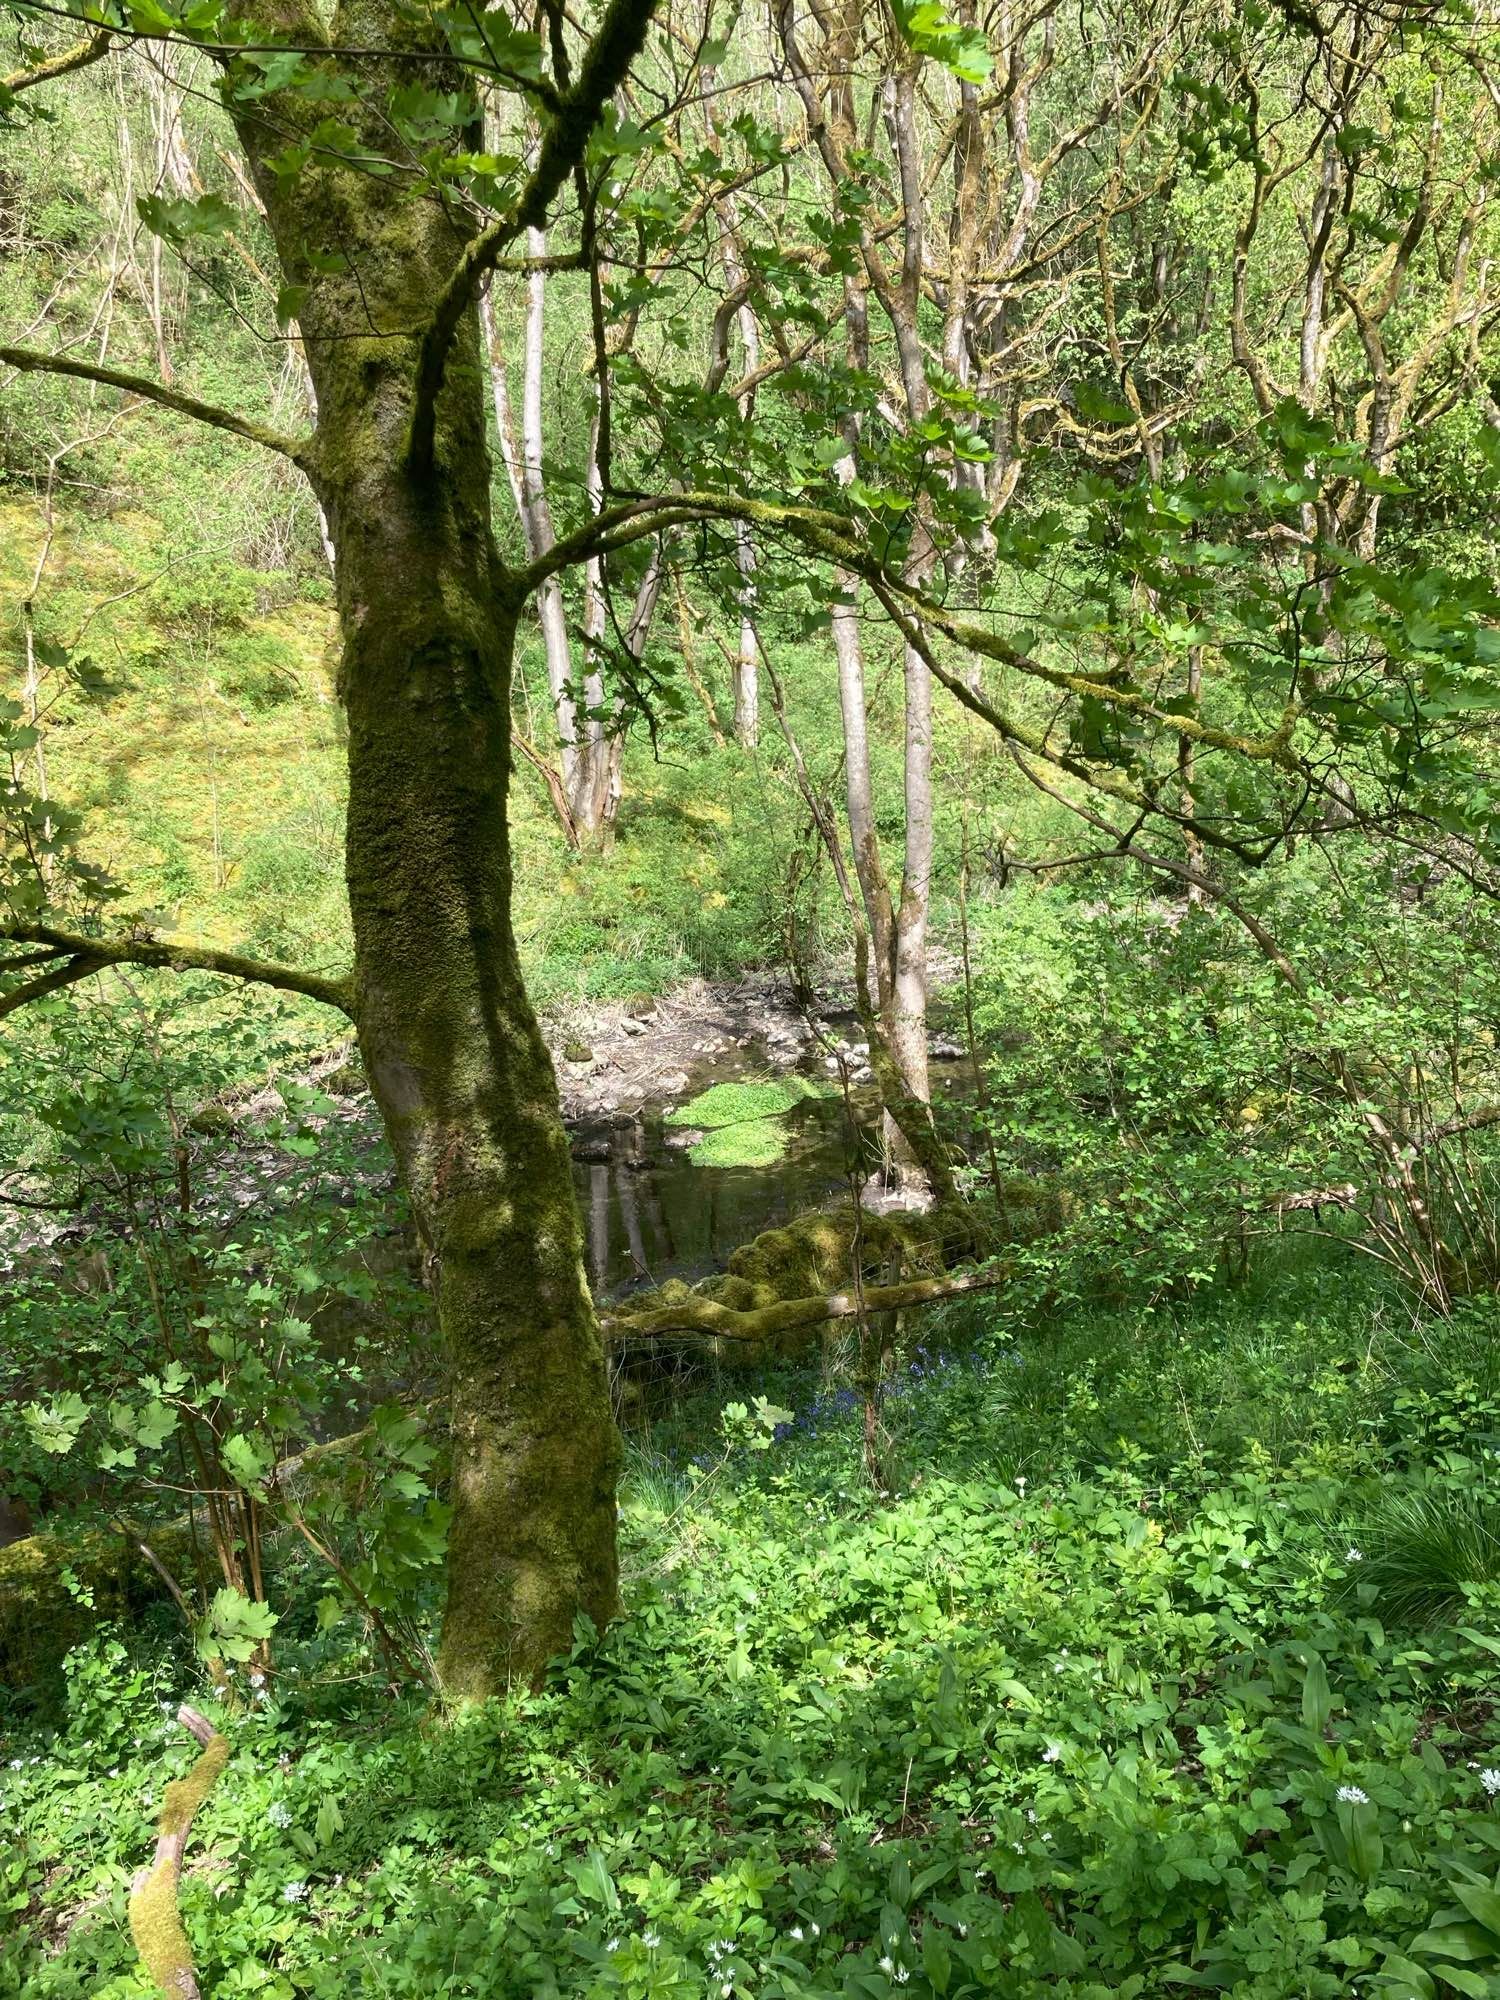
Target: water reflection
column 650, row 1214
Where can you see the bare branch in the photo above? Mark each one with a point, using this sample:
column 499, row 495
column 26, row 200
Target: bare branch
column 621, row 37
column 300, row 451
column 84, row 955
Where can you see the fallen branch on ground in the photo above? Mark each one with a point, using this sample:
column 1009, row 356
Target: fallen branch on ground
column 155, row 1920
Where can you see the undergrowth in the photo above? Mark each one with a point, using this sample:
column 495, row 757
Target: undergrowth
column 1072, row 1715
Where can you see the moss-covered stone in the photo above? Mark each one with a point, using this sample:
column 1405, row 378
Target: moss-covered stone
column 348, row 1080
column 744, row 1102
column 753, row 1142
column 41, row 1618
column 211, row 1120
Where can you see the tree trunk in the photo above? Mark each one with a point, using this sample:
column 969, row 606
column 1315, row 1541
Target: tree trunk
column 747, row 660
column 467, row 1091
column 451, row 1046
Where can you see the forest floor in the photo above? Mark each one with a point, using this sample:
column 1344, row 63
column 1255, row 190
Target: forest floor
column 1071, row 1715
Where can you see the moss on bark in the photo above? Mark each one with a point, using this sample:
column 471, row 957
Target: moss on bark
column 447, row 1035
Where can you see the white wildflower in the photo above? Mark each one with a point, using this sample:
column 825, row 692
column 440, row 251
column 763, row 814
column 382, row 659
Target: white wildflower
column 796, row 1932
column 279, row 1813
column 1490, row 1779
column 887, row 1964
column 257, row 1680
column 294, row 1892
column 15, row 1763
column 650, row 1940
column 613, row 1944
column 1052, row 1752
column 1352, row 1795
column 901, row 1975
column 814, row 1929
column 1353, row 1556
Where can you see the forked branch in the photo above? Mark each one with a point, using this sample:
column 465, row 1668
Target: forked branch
column 620, row 39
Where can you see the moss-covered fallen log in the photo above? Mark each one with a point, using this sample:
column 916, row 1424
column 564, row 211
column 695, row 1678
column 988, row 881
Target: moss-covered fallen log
column 690, row 1314
column 155, row 1916
column 829, row 1265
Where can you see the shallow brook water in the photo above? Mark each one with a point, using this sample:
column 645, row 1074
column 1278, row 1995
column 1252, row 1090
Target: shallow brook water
column 649, row 1212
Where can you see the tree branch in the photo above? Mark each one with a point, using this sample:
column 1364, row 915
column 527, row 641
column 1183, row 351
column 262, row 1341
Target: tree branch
column 84, row 955
column 155, row 1920
column 299, row 450
column 621, row 37
column 67, row 974
column 826, row 534
column 78, row 56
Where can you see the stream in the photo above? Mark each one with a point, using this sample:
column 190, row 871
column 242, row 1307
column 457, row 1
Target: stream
column 650, row 1213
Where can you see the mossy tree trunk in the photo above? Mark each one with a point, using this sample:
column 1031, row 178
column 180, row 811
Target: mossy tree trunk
column 454, row 1055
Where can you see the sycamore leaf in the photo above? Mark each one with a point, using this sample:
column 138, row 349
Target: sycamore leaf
column 183, row 221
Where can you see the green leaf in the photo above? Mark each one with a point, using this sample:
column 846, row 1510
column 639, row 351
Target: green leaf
column 248, row 1462
column 235, row 1626
column 54, row 1426
column 1467, row 1941
column 1464, row 1981
column 1317, row 1697
column 937, row 1959
column 182, row 222
column 1482, row 1904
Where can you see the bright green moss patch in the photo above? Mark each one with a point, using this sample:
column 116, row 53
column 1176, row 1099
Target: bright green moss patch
column 752, row 1142
column 743, row 1120
column 740, row 1103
